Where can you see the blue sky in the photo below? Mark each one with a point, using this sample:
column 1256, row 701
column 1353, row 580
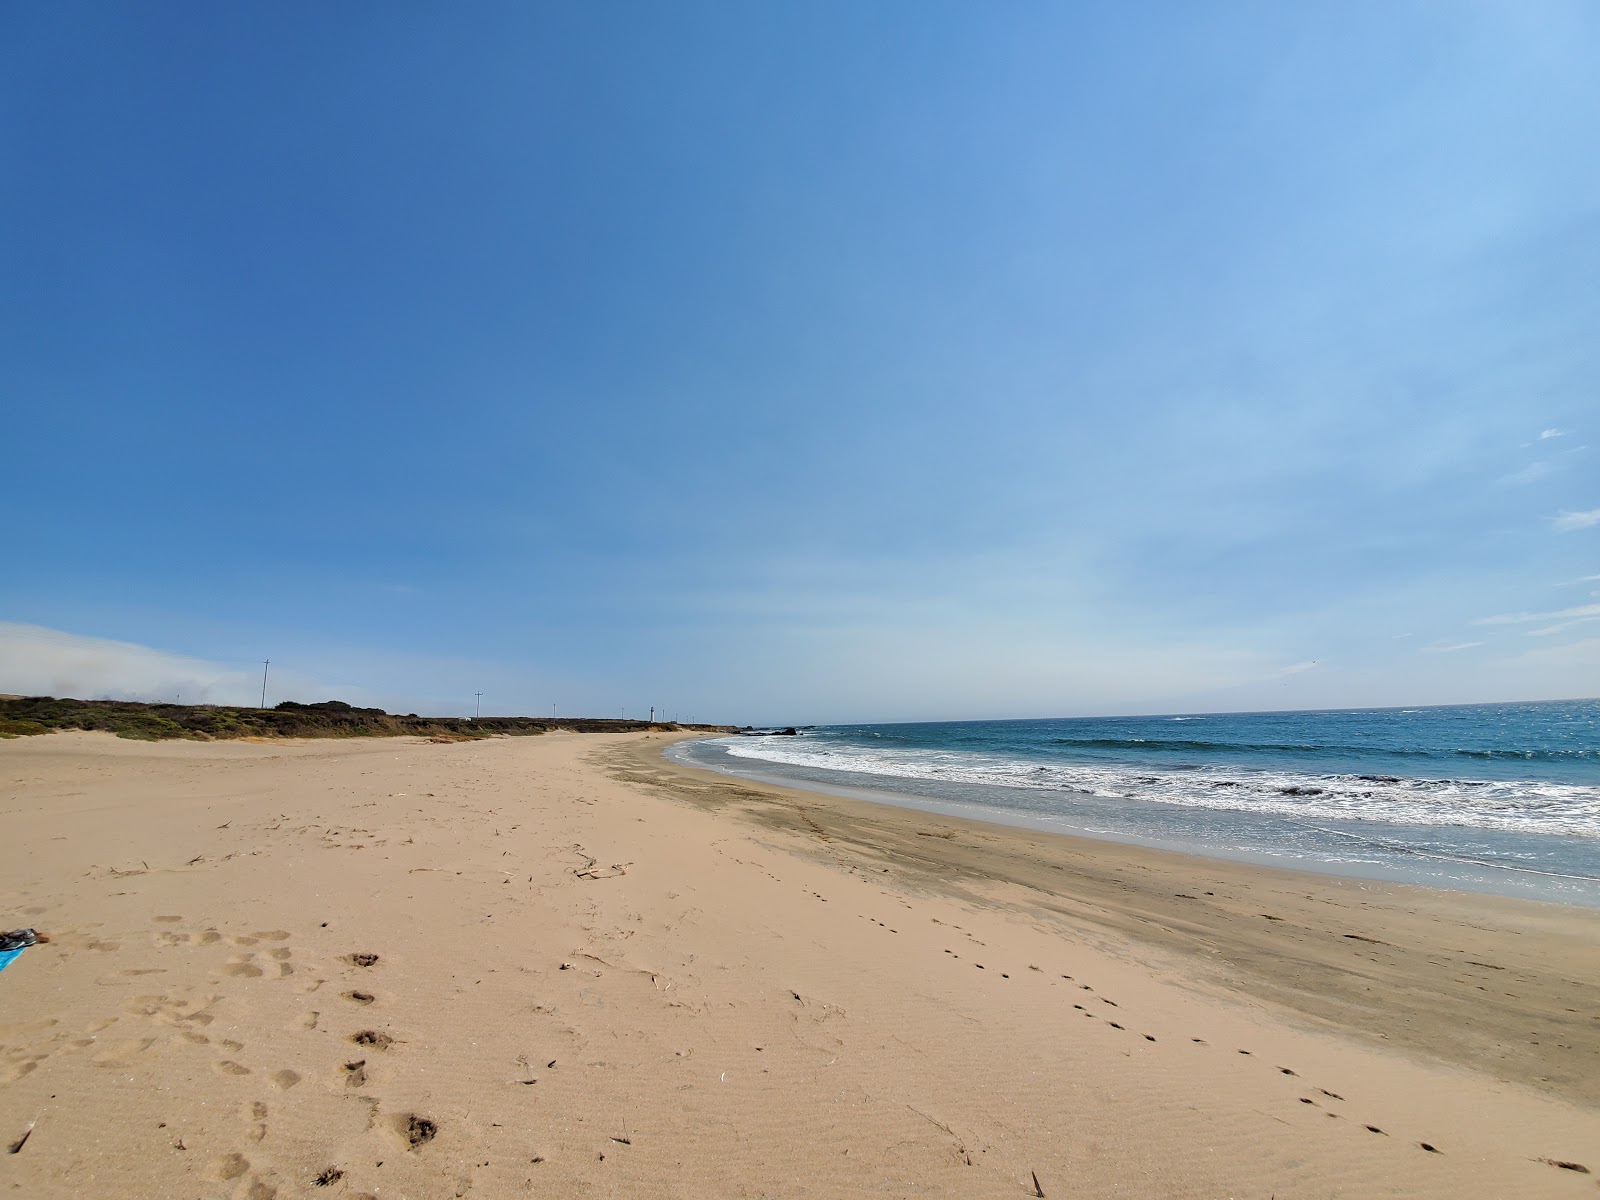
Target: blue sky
column 802, row 362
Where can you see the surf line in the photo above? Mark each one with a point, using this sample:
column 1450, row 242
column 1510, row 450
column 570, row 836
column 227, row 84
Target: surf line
column 1398, row 848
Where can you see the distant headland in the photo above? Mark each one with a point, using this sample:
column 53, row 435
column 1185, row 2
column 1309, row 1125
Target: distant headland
column 22, row 716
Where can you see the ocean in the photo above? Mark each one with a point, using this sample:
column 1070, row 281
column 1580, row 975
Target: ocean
column 1501, row 798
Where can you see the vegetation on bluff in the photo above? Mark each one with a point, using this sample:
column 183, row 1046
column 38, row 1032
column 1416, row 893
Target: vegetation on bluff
column 24, row 715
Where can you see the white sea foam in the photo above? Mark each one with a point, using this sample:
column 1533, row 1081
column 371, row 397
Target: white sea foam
column 1511, row 806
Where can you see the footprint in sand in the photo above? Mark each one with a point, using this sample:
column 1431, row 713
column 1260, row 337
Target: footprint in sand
column 246, row 966
column 20, row 1067
column 226, row 1167
column 122, row 1053
column 206, row 937
column 180, row 1014
column 415, row 1130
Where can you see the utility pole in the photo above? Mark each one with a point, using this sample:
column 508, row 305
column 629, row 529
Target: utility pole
column 265, row 663
column 478, row 707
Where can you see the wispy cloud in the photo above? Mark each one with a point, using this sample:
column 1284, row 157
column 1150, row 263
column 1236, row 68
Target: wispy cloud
column 1565, row 618
column 1523, row 618
column 1567, row 522
column 1562, row 627
column 1297, row 669
column 1531, row 473
column 1545, row 436
column 1448, row 648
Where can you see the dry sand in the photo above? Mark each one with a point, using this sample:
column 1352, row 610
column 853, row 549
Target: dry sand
column 561, row 966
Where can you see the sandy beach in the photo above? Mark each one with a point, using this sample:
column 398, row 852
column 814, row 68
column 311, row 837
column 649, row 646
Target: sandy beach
column 563, row 966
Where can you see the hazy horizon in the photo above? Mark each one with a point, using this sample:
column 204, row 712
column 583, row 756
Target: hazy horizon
column 189, row 681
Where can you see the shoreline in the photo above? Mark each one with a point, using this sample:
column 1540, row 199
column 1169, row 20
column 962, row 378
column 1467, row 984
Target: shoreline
column 563, row 965
column 1305, row 940
column 1466, row 871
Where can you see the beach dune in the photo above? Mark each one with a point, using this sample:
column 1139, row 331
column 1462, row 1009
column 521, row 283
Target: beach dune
column 564, row 966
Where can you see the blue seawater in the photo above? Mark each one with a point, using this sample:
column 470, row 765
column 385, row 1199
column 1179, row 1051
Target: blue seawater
column 1492, row 797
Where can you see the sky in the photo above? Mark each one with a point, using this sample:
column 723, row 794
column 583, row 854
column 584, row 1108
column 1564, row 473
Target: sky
column 801, row 363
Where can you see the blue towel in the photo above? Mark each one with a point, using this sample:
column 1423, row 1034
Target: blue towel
column 7, row 955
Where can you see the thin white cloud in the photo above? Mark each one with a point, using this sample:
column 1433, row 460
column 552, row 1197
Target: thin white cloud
column 1567, row 522
column 1552, row 433
column 1297, row 669
column 1583, row 612
column 1531, row 473
column 1549, row 630
column 1451, row 648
